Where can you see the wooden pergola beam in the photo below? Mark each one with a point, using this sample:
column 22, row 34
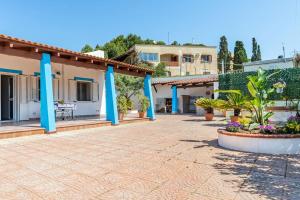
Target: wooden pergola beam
column 62, row 56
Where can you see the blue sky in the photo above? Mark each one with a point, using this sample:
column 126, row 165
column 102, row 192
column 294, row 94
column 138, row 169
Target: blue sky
column 71, row 24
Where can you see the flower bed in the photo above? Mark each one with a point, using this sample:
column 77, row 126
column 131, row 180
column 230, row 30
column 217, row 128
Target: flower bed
column 256, row 133
column 260, row 143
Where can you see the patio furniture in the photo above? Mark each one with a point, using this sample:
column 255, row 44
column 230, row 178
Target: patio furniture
column 66, row 110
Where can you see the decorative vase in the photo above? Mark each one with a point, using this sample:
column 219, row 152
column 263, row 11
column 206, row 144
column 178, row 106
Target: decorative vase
column 279, row 90
column 209, row 116
column 121, row 116
column 142, row 114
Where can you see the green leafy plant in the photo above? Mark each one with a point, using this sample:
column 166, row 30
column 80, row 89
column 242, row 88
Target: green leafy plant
column 61, row 101
column 294, row 105
column 233, row 127
column 292, row 125
column 235, row 101
column 279, row 85
column 259, row 91
column 245, row 122
column 221, row 104
column 207, row 104
column 122, row 103
column 144, row 103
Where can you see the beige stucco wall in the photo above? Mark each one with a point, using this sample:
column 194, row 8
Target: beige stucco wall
column 197, row 67
column 28, row 107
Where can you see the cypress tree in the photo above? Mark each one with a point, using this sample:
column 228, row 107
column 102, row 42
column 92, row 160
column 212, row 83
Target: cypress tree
column 223, row 54
column 254, row 50
column 258, row 53
column 240, row 55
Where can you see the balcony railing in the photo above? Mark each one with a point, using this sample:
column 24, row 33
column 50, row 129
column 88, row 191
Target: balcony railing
column 171, row 63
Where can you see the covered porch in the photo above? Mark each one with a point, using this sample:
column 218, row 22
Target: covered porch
column 53, row 63
column 178, row 94
column 33, row 127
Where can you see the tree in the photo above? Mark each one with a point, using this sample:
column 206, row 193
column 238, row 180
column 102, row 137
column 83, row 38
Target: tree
column 128, row 86
column 115, row 47
column 254, row 50
column 175, row 43
column 193, row 44
column 131, row 40
column 98, row 47
column 160, row 70
column 160, row 43
column 224, row 56
column 240, row 55
column 87, row 48
column 258, row 53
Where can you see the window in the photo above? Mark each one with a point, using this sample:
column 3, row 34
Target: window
column 37, row 89
column 188, row 58
column 206, row 58
column 83, row 91
column 149, row 57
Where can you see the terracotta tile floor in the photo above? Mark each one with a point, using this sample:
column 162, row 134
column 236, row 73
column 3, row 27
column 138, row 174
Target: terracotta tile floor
column 175, row 157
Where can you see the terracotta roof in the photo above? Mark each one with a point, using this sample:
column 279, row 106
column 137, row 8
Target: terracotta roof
column 196, row 81
column 23, row 44
column 184, row 80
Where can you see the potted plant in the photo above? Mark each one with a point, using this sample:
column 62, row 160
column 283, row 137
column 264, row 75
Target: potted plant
column 279, row 86
column 221, row 105
column 235, row 101
column 122, row 103
column 208, row 105
column 144, row 104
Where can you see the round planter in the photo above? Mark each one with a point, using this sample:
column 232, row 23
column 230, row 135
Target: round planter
column 142, row 114
column 209, row 116
column 260, row 143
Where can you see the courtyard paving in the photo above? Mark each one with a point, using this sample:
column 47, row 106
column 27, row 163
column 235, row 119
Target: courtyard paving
column 175, row 157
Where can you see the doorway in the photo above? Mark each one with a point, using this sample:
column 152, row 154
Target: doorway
column 168, row 105
column 7, row 97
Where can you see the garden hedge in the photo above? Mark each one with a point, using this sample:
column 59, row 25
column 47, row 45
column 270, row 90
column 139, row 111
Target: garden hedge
column 238, row 81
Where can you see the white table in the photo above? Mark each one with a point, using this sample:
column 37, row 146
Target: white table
column 66, row 110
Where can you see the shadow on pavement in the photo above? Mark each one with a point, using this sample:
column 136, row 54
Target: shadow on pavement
column 257, row 175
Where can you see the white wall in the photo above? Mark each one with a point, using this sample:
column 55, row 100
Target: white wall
column 164, row 91
column 269, row 66
column 31, row 109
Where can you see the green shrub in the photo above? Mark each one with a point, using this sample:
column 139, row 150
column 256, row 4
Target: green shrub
column 122, row 103
column 144, row 103
column 207, row 104
column 238, row 81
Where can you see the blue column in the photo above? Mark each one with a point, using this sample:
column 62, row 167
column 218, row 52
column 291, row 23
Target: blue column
column 148, row 94
column 174, row 100
column 47, row 116
column 111, row 99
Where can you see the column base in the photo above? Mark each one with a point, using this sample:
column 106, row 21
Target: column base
column 50, row 132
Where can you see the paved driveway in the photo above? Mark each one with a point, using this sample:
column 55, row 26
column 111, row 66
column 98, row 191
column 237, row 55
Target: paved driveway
column 175, row 157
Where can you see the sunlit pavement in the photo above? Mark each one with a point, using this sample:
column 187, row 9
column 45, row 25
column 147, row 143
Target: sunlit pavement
column 174, row 157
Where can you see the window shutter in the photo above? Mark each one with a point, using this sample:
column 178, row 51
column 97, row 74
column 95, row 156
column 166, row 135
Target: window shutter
column 72, row 92
column 34, row 88
column 23, row 88
column 55, row 84
column 95, row 92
